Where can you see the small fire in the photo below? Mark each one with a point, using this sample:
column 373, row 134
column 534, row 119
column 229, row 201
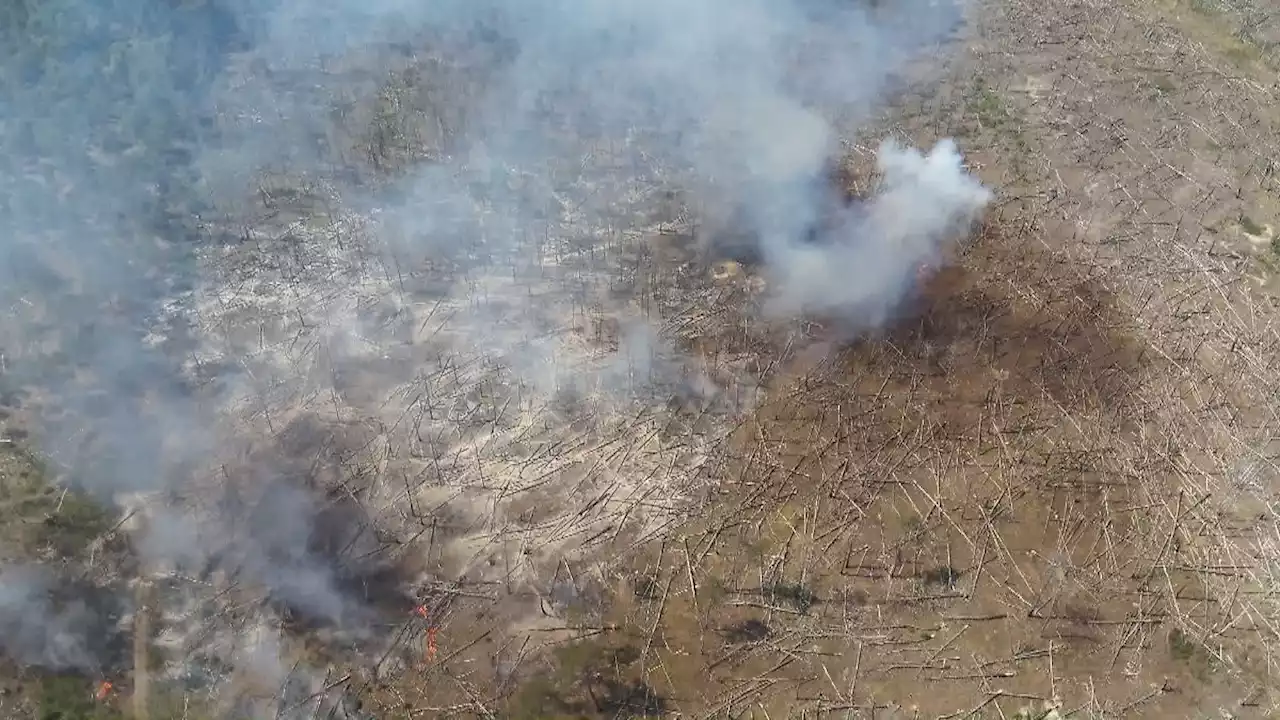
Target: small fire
column 104, row 689
column 430, row 653
column 431, row 644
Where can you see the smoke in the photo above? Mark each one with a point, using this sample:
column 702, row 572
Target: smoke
column 51, row 624
column 925, row 202
column 163, row 303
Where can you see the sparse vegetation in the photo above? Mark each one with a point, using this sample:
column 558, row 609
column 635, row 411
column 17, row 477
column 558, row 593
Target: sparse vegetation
column 988, row 106
column 1192, row 653
column 1249, row 225
column 946, row 576
column 795, row 595
column 41, row 518
column 1206, row 7
column 590, row 679
column 1164, row 85
column 71, row 698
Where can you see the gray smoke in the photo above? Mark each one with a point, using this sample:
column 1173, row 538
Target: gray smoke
column 129, row 127
column 925, row 202
column 46, row 622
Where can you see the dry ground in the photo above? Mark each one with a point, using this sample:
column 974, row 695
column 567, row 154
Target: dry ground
column 1053, row 488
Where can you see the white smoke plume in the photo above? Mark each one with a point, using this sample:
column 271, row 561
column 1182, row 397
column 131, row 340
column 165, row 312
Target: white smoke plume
column 441, row 321
column 925, row 203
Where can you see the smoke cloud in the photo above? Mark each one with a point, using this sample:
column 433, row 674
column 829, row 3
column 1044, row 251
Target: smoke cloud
column 925, row 202
column 178, row 315
column 53, row 625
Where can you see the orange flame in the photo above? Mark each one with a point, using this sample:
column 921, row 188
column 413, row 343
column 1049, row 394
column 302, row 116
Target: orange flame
column 104, row 689
column 430, row 653
column 431, row 644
